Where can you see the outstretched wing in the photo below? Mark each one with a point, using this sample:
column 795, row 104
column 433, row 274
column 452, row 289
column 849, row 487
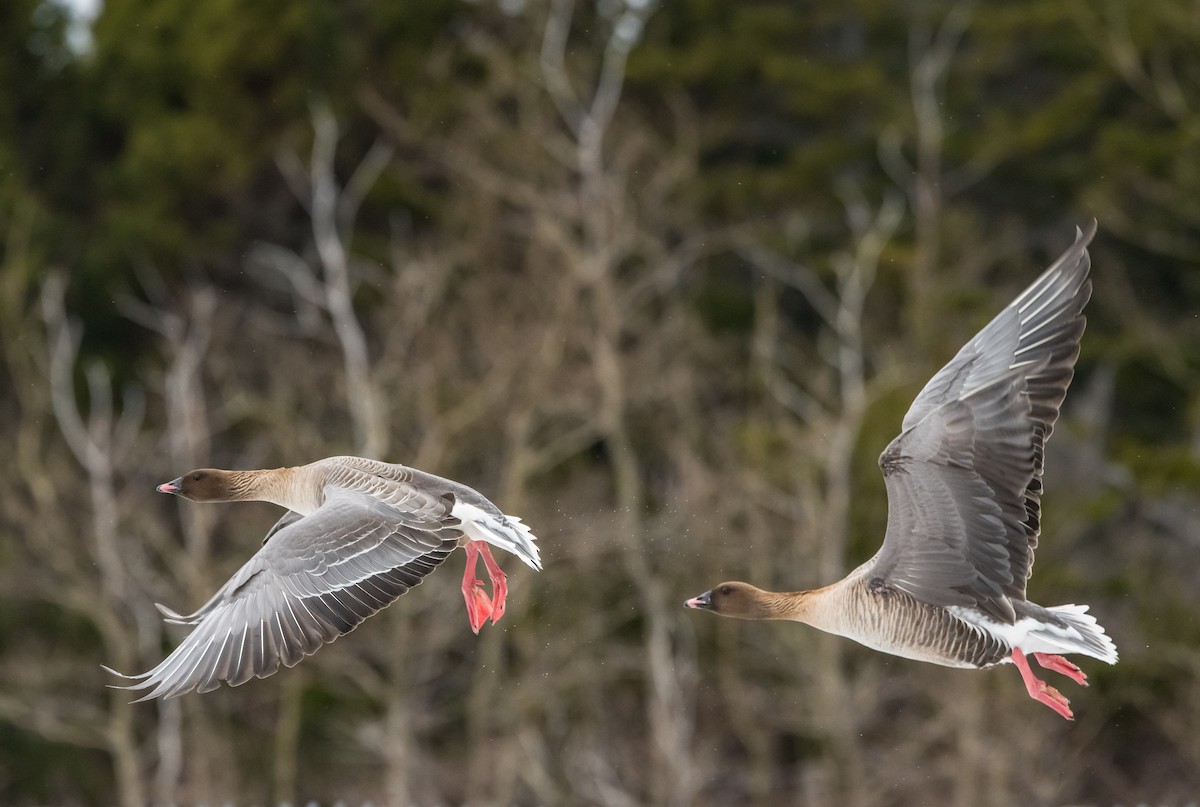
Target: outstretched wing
column 317, row 578
column 964, row 477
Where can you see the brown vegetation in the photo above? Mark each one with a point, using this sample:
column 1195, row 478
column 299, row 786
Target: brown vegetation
column 666, row 401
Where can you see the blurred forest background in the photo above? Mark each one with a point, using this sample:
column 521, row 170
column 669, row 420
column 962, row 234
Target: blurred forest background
column 660, row 279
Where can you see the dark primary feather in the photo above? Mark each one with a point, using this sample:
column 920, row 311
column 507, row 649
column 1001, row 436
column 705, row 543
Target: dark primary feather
column 290, row 517
column 964, row 476
column 316, row 578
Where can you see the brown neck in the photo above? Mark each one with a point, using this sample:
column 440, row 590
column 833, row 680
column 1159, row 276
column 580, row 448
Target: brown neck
column 263, row 486
column 745, row 601
column 792, row 605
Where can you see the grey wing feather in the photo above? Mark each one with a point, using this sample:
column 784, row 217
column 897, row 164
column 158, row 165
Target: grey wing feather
column 964, row 476
column 315, row 580
column 290, row 517
column 1032, row 325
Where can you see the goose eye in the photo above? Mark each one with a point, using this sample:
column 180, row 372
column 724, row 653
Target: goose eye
column 196, row 476
column 726, row 590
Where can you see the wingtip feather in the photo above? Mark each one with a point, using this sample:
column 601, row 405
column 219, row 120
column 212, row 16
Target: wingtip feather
column 134, row 677
column 174, row 617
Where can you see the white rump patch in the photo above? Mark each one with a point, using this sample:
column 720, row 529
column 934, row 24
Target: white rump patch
column 1031, row 635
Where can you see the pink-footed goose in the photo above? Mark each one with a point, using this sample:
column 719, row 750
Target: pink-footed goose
column 358, row 533
column 964, row 485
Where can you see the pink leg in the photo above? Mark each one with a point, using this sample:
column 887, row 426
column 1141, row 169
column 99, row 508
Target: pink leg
column 479, row 607
column 1039, row 690
column 499, row 582
column 1059, row 664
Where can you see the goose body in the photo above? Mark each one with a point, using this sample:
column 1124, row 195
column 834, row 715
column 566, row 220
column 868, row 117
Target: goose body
column 964, row 483
column 358, row 533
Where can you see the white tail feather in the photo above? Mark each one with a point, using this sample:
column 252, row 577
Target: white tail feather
column 1091, row 639
column 1077, row 632
column 503, row 532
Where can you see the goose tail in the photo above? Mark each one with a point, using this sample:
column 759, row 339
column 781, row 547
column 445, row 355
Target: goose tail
column 1072, row 629
column 499, row 530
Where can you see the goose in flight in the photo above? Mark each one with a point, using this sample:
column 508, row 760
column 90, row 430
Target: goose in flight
column 964, row 485
column 358, row 534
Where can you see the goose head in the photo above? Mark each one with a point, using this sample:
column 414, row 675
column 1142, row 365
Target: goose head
column 206, row 485
column 738, row 600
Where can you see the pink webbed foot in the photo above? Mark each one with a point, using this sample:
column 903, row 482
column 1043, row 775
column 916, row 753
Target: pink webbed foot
column 1039, row 690
column 499, row 583
column 479, row 605
column 1060, row 665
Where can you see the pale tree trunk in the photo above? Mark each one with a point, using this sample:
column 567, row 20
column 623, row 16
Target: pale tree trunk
column 329, row 287
column 926, row 180
column 399, row 747
column 590, row 230
column 932, row 56
column 186, row 339
column 100, row 440
column 826, row 488
column 333, row 213
column 603, row 215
